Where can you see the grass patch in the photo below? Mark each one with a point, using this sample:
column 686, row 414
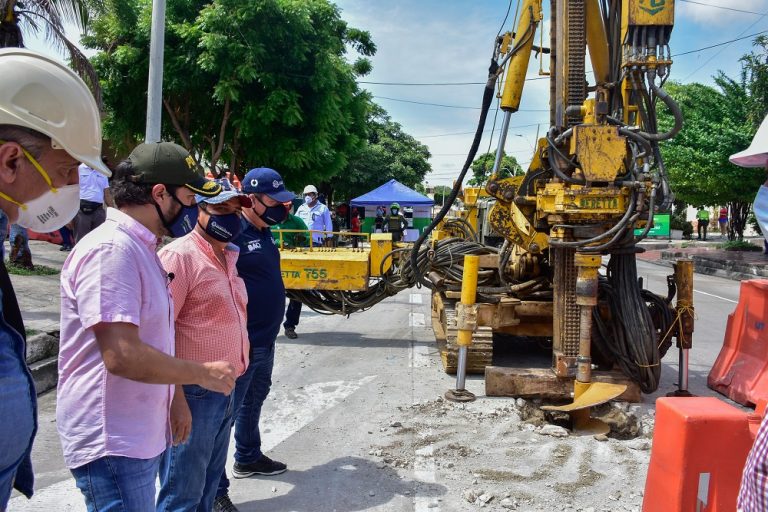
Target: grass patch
column 739, row 245
column 31, row 332
column 38, row 270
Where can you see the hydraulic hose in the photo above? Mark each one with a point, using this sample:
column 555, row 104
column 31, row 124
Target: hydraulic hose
column 671, row 105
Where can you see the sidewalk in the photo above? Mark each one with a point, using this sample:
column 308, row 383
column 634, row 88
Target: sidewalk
column 708, row 258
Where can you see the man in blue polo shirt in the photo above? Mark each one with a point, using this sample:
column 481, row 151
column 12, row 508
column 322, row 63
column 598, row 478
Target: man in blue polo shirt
column 259, row 266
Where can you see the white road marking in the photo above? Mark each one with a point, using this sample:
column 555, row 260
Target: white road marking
column 416, row 298
column 295, row 409
column 416, row 320
column 716, row 296
column 425, row 470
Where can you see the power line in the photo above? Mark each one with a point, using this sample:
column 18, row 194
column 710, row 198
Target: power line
column 447, row 106
column 721, row 7
column 721, row 51
column 723, row 43
column 473, row 131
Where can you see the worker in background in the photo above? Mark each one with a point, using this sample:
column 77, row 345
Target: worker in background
column 259, row 267
column 209, row 300
column 753, row 494
column 702, row 218
column 94, row 199
column 49, row 123
column 289, row 239
column 722, row 221
column 317, row 217
column 116, row 364
column 395, row 223
column 355, row 223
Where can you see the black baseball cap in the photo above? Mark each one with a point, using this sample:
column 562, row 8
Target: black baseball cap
column 170, row 164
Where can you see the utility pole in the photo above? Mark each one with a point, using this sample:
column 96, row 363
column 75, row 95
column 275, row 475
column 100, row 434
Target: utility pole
column 155, row 86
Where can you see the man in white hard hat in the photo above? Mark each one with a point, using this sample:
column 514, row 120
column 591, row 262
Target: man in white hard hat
column 753, row 494
column 49, row 124
column 317, row 217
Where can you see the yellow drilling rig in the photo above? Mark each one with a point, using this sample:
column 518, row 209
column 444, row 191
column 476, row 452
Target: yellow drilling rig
column 588, row 197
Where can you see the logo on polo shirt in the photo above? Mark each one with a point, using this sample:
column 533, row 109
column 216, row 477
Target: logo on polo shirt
column 254, row 245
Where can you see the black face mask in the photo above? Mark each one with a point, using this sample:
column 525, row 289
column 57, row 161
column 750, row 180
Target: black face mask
column 181, row 223
column 272, row 214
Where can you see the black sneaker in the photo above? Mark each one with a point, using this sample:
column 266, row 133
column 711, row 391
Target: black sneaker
column 290, row 332
column 264, row 466
column 224, row 504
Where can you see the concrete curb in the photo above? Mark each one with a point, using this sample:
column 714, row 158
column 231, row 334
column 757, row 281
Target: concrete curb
column 729, row 269
column 42, row 358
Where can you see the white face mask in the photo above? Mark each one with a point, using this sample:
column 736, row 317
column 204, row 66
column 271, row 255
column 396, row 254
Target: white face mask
column 308, row 199
column 50, row 211
column 760, row 207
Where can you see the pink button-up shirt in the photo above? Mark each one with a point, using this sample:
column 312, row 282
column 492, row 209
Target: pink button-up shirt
column 112, row 275
column 209, row 300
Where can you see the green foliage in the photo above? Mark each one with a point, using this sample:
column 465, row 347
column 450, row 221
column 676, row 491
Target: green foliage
column 246, row 82
column 739, row 245
column 389, row 153
column 441, row 194
column 483, row 166
column 37, row 270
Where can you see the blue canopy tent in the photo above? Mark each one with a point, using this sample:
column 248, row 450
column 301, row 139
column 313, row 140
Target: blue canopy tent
column 395, row 192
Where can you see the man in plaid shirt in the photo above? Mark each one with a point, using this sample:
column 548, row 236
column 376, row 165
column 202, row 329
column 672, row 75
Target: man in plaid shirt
column 753, row 495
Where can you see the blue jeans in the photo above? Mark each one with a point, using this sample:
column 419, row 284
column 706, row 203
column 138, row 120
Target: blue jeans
column 190, row 472
column 292, row 314
column 251, row 390
column 118, row 484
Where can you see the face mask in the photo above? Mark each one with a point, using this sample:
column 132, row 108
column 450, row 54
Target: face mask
column 50, row 211
column 224, row 227
column 181, row 223
column 760, row 207
column 272, row 214
column 395, row 211
column 307, row 199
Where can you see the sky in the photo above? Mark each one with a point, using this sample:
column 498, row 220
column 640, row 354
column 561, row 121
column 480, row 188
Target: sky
column 451, row 41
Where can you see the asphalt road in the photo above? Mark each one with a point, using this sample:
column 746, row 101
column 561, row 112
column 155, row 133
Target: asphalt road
column 355, row 414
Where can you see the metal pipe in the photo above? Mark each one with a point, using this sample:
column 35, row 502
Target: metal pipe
column 502, row 143
column 468, row 296
column 461, row 370
column 155, row 85
column 682, row 384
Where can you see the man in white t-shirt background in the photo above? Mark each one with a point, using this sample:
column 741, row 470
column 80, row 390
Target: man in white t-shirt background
column 94, row 199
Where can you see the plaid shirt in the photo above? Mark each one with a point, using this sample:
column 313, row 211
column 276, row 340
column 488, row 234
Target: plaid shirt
column 209, row 302
column 753, row 495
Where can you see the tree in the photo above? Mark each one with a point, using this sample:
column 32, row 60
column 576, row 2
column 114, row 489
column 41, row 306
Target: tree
column 441, row 194
column 754, row 80
column 716, row 126
column 247, row 82
column 389, row 153
column 50, row 16
column 482, row 168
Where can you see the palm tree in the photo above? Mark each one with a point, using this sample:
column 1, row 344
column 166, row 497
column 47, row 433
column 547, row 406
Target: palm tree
column 49, row 17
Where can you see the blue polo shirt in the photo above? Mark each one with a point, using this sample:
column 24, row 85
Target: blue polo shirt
column 259, row 266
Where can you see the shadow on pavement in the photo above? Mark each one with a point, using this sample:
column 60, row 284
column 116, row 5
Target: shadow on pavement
column 344, row 484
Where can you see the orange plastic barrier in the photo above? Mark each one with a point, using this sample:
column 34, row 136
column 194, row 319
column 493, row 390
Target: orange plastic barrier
column 699, row 449
column 54, row 238
column 741, row 369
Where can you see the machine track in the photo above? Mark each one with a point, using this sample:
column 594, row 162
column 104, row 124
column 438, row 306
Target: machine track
column 479, row 354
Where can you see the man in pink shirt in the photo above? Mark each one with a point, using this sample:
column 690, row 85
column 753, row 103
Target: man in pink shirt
column 210, row 313
column 116, row 363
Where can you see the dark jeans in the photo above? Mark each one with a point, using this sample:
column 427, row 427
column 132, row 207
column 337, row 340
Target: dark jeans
column 702, row 225
column 190, row 472
column 87, row 222
column 251, row 390
column 66, row 237
column 115, row 484
column 292, row 314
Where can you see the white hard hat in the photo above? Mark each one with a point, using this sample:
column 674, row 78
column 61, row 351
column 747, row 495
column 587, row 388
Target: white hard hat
column 310, row 189
column 44, row 95
column 756, row 155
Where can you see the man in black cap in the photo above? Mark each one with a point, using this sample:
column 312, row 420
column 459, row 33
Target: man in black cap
column 116, row 368
column 259, row 266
